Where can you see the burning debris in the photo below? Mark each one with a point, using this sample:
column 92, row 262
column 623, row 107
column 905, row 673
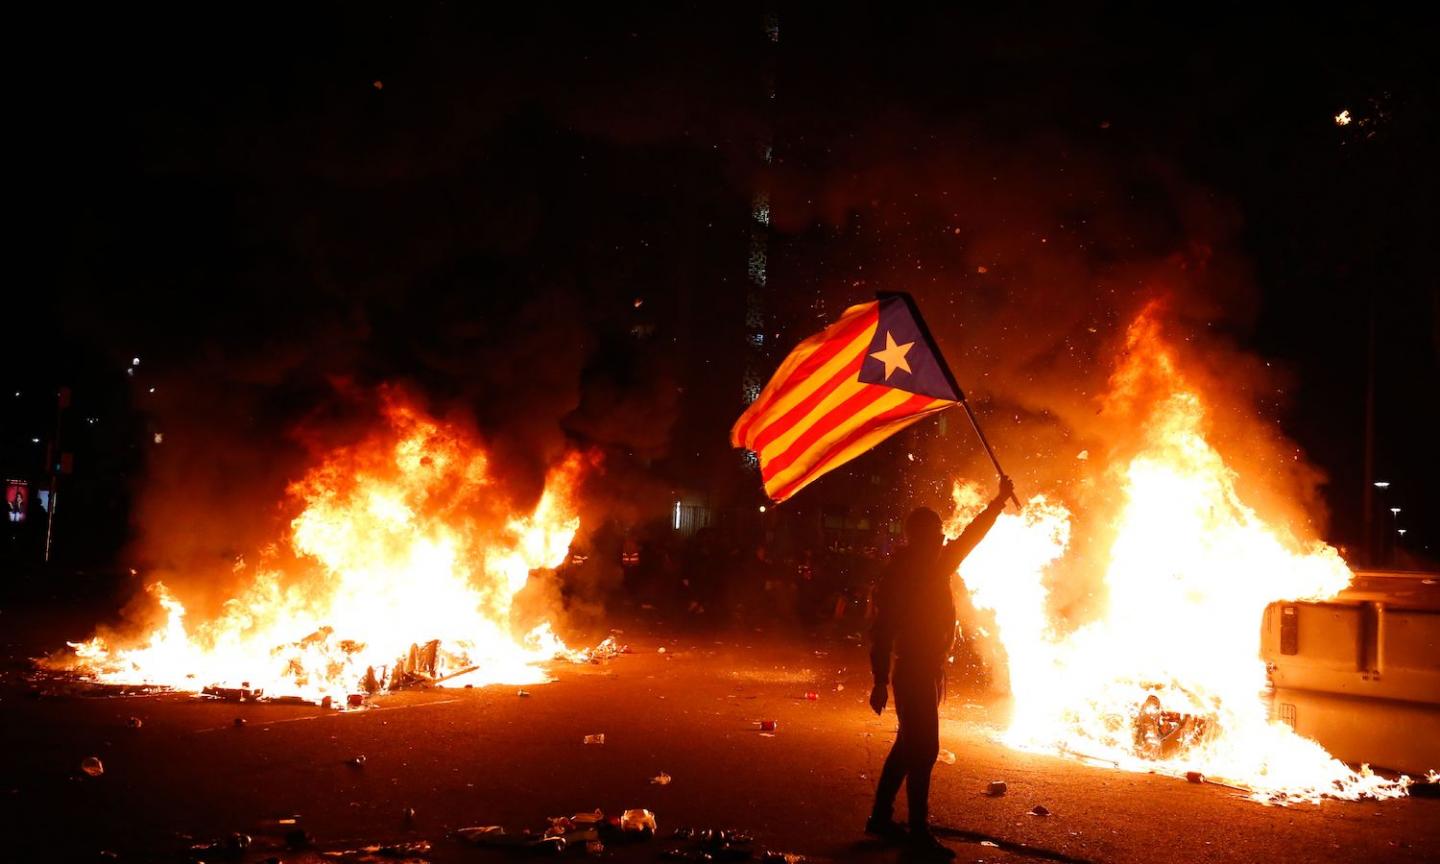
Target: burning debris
column 406, row 564
column 608, row 649
column 1161, row 734
column 243, row 693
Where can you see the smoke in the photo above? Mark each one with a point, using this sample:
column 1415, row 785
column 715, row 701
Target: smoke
column 480, row 227
column 1030, row 257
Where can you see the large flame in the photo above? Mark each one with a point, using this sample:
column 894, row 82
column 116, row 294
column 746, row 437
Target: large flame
column 401, row 539
column 1190, row 571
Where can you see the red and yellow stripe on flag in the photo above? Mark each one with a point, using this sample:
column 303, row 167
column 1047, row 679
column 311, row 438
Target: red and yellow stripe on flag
column 844, row 390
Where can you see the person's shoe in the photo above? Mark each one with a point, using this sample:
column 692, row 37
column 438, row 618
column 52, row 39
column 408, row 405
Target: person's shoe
column 924, row 844
column 886, row 829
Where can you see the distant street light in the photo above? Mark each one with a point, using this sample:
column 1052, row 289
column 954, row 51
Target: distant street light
column 1394, row 511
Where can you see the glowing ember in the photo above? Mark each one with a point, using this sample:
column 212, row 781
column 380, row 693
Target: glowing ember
column 1170, row 677
column 400, row 541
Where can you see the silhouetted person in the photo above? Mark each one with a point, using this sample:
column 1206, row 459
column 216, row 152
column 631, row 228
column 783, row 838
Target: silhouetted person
column 916, row 625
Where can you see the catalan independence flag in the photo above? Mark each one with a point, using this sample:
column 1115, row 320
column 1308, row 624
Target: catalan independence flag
column 844, row 390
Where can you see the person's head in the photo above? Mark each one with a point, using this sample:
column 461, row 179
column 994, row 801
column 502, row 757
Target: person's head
column 923, row 529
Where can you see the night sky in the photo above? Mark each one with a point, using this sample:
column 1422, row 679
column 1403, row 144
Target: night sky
column 544, row 220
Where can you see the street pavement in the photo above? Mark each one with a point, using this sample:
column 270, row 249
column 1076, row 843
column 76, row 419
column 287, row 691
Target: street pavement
column 487, row 756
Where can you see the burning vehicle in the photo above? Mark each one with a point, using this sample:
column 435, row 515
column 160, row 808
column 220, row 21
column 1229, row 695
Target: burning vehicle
column 1165, row 673
column 1364, row 660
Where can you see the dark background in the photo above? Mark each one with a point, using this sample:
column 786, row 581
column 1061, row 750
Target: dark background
column 546, row 220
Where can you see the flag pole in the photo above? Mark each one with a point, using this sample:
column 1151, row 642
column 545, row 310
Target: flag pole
column 989, row 451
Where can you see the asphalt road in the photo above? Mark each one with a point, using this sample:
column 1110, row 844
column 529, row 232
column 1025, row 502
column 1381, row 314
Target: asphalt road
column 490, row 757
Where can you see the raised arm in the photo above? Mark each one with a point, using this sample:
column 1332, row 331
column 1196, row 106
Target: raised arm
column 956, row 550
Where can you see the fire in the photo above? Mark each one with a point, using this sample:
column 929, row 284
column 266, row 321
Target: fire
column 406, row 563
column 1169, row 677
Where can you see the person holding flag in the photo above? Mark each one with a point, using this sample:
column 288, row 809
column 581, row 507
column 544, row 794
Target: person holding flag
column 915, row 625
column 839, row 393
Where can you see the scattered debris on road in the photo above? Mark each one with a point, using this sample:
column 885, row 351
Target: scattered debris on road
column 997, row 788
column 597, row 738
column 243, row 693
column 710, row 844
column 482, row 835
column 661, row 779
column 92, row 766
column 230, row 846
column 412, row 852
column 1039, row 810
column 638, row 820
column 945, row 756
column 609, row 649
column 586, row 832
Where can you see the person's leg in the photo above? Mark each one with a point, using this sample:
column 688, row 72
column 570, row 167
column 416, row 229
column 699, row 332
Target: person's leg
column 882, row 815
column 891, row 776
column 922, row 745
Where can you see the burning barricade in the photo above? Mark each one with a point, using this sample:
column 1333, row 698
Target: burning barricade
column 400, row 570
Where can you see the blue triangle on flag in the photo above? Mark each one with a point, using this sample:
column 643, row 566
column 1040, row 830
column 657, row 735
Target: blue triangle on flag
column 903, row 354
